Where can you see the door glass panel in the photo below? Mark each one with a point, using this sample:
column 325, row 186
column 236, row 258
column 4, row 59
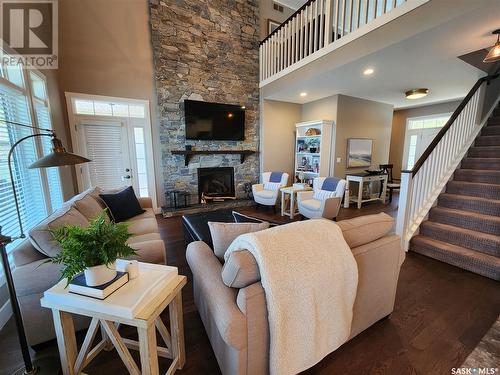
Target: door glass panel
column 104, row 145
column 140, row 156
column 412, row 149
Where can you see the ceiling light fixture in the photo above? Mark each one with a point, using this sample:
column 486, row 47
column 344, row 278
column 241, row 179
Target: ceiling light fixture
column 368, row 72
column 416, row 93
column 303, row 94
column 494, row 53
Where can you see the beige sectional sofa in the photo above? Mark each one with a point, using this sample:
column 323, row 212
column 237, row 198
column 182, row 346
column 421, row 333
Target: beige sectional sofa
column 232, row 304
column 31, row 278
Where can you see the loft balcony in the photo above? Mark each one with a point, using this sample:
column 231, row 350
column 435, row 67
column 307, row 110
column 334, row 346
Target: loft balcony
column 320, row 27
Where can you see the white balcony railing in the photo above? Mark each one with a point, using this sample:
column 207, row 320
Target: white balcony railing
column 315, row 25
column 421, row 186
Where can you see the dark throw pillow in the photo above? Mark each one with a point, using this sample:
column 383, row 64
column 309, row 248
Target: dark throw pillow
column 122, row 205
column 240, row 218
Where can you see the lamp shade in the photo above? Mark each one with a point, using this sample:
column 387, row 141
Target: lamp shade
column 494, row 53
column 58, row 157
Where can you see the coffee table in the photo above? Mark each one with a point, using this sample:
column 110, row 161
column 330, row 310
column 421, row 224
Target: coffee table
column 143, row 312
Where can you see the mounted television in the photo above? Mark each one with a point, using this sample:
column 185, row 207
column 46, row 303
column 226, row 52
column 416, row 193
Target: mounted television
column 214, row 121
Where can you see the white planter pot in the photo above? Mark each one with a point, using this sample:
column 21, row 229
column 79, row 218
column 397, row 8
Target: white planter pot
column 99, row 275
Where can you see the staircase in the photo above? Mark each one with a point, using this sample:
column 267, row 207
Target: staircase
column 463, row 229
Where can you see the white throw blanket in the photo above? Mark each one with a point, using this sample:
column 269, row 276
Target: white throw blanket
column 310, row 278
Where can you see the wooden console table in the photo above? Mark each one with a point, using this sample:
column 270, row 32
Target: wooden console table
column 362, row 178
column 188, row 154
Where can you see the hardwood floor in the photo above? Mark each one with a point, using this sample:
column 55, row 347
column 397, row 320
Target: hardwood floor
column 441, row 314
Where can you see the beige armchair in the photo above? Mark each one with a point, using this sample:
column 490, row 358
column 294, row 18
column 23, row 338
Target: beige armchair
column 324, row 200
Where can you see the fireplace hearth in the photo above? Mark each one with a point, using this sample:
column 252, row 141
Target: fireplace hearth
column 215, row 184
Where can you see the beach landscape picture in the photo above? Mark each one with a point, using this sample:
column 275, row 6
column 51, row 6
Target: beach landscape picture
column 359, row 152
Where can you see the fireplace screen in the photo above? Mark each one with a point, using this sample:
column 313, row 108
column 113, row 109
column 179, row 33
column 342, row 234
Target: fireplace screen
column 215, row 183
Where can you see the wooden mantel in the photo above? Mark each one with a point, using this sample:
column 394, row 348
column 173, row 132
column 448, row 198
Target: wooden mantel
column 188, row 154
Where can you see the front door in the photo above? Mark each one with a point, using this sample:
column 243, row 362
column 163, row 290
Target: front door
column 417, row 142
column 106, row 143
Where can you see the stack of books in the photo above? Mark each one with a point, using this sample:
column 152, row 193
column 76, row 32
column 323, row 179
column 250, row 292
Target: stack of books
column 79, row 286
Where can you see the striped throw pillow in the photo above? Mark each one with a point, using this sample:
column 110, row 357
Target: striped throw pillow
column 323, row 194
column 272, row 186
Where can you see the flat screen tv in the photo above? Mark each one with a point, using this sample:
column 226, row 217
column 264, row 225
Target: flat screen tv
column 214, row 121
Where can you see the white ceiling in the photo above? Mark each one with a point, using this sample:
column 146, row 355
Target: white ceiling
column 430, row 39
column 293, row 4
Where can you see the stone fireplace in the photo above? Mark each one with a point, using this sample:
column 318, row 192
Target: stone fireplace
column 215, row 183
column 205, row 50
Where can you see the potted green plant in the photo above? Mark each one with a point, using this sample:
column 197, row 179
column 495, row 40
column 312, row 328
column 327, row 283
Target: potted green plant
column 92, row 250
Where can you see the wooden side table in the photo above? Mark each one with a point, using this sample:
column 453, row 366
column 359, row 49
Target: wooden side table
column 147, row 321
column 292, row 191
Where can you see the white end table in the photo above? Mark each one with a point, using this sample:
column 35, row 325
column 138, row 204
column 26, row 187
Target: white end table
column 362, row 178
column 292, row 191
column 145, row 317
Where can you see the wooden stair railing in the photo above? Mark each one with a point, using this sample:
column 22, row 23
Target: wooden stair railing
column 421, row 185
column 315, row 25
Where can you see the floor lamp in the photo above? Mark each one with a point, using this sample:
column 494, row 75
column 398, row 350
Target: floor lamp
column 57, row 158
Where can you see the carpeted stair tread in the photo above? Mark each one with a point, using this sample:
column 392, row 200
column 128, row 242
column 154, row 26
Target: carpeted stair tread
column 469, row 203
column 476, row 189
column 488, row 140
column 491, row 130
column 466, row 219
column 483, row 242
column 463, row 229
column 484, row 152
column 478, row 175
column 481, row 163
column 474, row 261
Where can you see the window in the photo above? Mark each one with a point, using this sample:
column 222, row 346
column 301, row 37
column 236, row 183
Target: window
column 23, row 99
column 105, row 108
column 428, row 122
column 140, row 154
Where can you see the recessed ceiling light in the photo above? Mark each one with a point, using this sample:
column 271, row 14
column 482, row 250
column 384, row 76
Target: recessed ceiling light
column 303, row 94
column 368, row 72
column 416, row 93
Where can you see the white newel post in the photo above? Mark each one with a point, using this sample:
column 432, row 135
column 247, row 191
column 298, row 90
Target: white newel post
column 404, row 209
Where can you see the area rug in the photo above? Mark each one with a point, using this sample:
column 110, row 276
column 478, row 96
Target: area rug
column 487, row 352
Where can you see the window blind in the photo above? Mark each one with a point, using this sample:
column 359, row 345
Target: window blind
column 53, row 178
column 38, row 192
column 104, row 146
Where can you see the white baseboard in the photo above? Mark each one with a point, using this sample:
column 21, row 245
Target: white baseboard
column 5, row 314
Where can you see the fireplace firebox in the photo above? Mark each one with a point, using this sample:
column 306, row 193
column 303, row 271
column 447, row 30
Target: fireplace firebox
column 215, row 184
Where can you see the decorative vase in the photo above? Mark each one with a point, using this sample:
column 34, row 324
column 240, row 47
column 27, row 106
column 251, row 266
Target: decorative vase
column 99, row 275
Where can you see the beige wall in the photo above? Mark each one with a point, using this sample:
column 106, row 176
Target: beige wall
column 354, row 118
column 105, row 49
column 323, row 109
column 278, row 136
column 399, row 129
column 267, row 12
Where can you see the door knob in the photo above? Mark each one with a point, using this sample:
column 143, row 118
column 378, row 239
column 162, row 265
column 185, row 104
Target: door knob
column 127, row 177
column 127, row 170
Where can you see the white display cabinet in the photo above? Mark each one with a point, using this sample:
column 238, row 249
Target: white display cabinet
column 314, row 149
